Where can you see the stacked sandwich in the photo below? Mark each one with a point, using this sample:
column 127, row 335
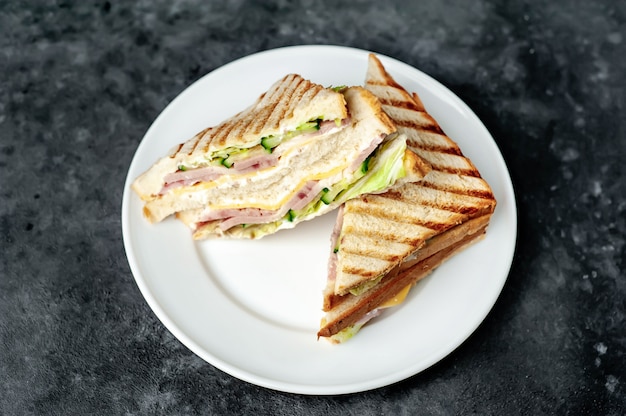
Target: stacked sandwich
column 299, row 151
column 422, row 223
column 302, row 150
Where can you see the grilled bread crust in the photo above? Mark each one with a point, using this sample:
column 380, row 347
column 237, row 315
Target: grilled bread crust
column 289, row 102
column 380, row 231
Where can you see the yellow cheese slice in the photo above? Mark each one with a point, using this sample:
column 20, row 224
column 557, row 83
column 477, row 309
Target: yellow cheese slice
column 398, row 299
column 259, row 204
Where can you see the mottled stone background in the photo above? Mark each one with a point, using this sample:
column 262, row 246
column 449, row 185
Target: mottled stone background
column 81, row 81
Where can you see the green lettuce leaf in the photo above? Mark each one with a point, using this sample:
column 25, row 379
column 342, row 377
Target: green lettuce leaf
column 346, row 333
column 385, row 168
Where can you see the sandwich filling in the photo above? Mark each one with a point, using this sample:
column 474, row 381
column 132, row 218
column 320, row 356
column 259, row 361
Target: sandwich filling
column 286, row 176
column 265, row 154
column 378, row 167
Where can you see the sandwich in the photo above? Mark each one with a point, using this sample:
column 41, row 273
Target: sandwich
column 299, row 151
column 383, row 244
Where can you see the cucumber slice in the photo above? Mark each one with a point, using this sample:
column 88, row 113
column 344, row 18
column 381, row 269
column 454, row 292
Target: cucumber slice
column 270, row 142
column 365, row 166
column 309, row 126
column 329, row 195
column 227, row 161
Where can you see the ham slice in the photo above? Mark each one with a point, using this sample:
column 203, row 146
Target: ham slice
column 195, row 174
column 332, row 263
column 328, row 125
column 210, row 173
column 366, row 152
column 252, row 216
column 189, row 177
column 258, row 161
column 305, row 195
column 231, row 217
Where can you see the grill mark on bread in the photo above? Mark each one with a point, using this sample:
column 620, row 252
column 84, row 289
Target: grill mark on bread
column 197, row 140
column 242, row 125
column 381, row 212
column 445, row 150
column 448, row 163
column 178, row 149
column 190, row 145
column 311, row 93
column 470, row 208
column 383, row 237
column 297, row 93
column 484, row 194
column 257, row 123
column 431, row 147
column 432, row 128
column 221, row 135
column 408, row 105
column 388, row 82
column 359, row 271
column 203, row 138
column 296, row 90
column 476, row 193
column 459, row 171
column 286, row 100
column 424, row 168
column 430, row 141
column 272, row 108
column 407, row 117
column 466, row 208
column 277, row 91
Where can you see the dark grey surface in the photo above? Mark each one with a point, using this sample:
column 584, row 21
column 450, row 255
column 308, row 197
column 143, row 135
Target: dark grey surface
column 82, row 81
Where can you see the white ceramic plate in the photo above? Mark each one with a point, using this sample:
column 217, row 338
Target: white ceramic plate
column 252, row 308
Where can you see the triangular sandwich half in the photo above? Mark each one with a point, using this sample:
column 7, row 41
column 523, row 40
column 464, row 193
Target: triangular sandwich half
column 285, row 159
column 383, row 244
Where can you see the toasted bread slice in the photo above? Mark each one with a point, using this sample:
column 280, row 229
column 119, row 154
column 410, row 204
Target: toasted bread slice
column 348, row 310
column 288, row 103
column 379, row 233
